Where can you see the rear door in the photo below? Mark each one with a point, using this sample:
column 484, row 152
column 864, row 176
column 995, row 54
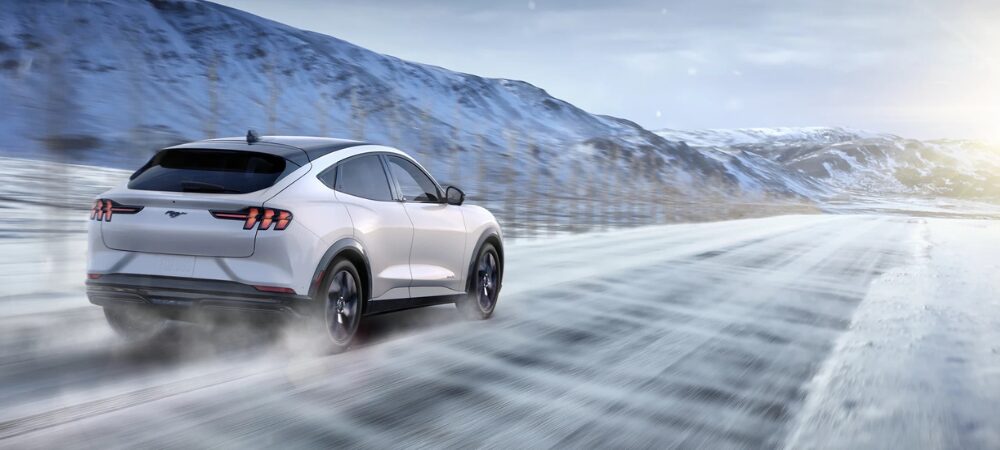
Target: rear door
column 177, row 192
column 437, row 258
column 380, row 223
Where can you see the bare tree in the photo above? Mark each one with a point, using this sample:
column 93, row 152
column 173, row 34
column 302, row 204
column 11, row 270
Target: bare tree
column 426, row 130
column 456, row 165
column 613, row 191
column 357, row 113
column 212, row 84
column 396, row 125
column 510, row 199
column 575, row 202
column 322, row 112
column 533, row 210
column 481, row 182
column 270, row 71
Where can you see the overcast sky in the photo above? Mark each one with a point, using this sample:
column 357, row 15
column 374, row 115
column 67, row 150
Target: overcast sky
column 918, row 68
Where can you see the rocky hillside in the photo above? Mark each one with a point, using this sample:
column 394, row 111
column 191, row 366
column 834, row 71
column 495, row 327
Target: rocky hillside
column 842, row 162
column 107, row 81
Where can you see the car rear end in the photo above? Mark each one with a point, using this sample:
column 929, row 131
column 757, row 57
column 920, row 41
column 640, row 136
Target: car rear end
column 196, row 230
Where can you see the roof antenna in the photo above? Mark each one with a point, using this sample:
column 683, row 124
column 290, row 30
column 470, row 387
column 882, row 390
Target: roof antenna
column 252, row 137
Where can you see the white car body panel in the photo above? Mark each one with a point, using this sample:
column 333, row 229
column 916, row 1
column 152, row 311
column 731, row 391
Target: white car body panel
column 384, row 230
column 412, row 249
column 438, row 253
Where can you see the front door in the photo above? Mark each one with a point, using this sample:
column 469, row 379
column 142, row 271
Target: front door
column 437, row 255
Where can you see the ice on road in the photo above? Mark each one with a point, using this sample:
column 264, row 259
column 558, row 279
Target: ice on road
column 797, row 331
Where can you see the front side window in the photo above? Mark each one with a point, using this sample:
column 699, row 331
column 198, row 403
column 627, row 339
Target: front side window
column 363, row 177
column 414, row 184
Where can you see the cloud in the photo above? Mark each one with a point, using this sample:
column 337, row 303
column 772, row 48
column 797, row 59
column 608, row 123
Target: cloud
column 780, row 56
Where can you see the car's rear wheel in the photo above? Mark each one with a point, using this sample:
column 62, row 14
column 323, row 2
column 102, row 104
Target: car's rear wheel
column 134, row 324
column 343, row 304
column 484, row 285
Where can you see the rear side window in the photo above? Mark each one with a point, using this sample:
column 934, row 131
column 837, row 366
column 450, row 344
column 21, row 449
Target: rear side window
column 210, row 171
column 363, row 177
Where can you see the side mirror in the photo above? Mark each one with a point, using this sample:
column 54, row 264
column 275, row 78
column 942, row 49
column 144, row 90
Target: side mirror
column 454, row 195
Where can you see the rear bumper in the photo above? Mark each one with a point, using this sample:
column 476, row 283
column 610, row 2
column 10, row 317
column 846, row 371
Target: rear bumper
column 179, row 297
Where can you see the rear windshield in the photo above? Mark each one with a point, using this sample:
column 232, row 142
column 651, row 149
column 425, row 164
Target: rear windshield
column 210, row 171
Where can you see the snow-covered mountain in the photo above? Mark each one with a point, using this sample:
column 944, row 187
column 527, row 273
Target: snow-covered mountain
column 108, row 81
column 842, row 162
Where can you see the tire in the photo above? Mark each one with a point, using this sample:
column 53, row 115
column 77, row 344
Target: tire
column 342, row 297
column 134, row 324
column 484, row 285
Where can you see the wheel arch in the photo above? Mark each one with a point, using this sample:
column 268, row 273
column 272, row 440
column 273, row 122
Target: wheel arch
column 491, row 236
column 353, row 251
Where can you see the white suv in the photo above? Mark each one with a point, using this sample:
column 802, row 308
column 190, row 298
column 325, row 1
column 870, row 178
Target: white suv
column 309, row 227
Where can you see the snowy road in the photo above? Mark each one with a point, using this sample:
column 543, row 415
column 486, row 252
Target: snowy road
column 796, row 331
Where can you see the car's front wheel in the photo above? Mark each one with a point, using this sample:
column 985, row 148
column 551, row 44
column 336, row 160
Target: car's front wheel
column 343, row 304
column 484, row 285
column 133, row 323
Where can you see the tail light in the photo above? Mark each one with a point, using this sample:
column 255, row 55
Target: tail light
column 104, row 209
column 263, row 218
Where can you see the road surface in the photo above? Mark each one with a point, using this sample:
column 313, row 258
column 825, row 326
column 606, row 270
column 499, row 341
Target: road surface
column 829, row 331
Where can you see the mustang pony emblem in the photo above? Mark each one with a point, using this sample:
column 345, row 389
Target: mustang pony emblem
column 174, row 214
